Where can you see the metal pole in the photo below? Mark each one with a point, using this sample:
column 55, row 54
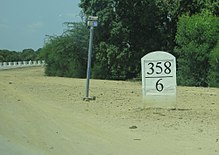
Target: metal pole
column 89, row 60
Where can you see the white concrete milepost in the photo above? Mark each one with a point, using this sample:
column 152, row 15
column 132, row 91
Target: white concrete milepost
column 159, row 79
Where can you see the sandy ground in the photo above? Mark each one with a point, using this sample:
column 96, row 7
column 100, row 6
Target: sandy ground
column 42, row 115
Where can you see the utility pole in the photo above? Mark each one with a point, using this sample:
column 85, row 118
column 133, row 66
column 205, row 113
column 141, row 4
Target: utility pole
column 92, row 22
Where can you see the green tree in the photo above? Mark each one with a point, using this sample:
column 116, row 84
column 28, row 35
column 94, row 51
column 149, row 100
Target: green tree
column 196, row 36
column 127, row 30
column 9, row 56
column 1, row 57
column 28, row 54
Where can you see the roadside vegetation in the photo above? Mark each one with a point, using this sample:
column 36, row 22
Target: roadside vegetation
column 24, row 55
column 129, row 29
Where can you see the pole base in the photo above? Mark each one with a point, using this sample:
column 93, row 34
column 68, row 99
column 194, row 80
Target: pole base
column 89, row 98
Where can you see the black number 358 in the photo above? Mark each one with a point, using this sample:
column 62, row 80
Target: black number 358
column 158, row 68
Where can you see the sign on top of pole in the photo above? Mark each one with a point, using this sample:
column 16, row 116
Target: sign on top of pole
column 92, row 21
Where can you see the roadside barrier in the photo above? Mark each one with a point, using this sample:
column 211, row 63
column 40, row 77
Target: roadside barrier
column 18, row 64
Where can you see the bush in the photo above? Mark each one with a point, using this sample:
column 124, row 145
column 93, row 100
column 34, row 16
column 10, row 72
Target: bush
column 213, row 76
column 66, row 55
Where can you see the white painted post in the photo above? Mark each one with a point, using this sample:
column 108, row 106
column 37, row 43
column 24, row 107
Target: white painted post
column 24, row 63
column 159, row 79
column 5, row 64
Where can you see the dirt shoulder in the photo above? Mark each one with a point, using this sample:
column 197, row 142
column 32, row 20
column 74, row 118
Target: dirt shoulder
column 47, row 115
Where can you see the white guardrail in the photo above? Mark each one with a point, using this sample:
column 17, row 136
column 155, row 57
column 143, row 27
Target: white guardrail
column 10, row 65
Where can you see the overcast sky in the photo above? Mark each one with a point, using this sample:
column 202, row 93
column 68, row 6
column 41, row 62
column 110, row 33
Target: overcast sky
column 24, row 23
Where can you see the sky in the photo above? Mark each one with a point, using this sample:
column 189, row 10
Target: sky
column 25, row 23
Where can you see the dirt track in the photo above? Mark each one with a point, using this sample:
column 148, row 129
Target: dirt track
column 46, row 115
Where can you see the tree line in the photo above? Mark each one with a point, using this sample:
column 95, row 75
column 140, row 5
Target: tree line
column 25, row 55
column 129, row 29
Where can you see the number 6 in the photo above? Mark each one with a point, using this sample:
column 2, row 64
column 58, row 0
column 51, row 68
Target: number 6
column 159, row 86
